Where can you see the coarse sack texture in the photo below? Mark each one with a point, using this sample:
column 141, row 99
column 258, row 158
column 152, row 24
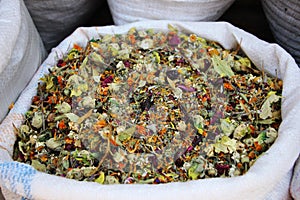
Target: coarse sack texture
column 56, row 19
column 284, row 20
column 268, row 178
column 21, row 52
column 295, row 184
column 183, row 10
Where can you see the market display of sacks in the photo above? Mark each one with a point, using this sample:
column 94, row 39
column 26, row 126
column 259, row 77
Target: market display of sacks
column 284, row 21
column 268, row 178
column 182, row 10
column 21, row 53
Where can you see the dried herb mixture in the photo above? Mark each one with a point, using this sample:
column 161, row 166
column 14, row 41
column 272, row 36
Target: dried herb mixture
column 150, row 107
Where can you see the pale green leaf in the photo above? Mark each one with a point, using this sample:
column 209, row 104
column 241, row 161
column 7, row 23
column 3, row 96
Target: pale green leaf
column 38, row 166
column 96, row 57
column 198, row 121
column 88, row 102
column 172, row 28
column 72, row 117
column 227, row 127
column 37, row 120
column 222, row 67
column 54, row 144
column 240, row 131
column 126, row 134
column 266, row 109
column 225, row 144
column 245, row 62
column 48, row 80
column 195, row 170
column 63, row 108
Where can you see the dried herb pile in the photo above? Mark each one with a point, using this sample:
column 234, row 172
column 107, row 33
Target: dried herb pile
column 150, row 107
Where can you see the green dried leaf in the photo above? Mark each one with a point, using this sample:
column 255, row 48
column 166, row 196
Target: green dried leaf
column 95, row 57
column 222, row 67
column 245, row 62
column 66, row 163
column 79, row 89
column 198, row 121
column 261, row 137
column 24, row 128
column 225, row 144
column 156, row 56
column 84, row 62
column 48, row 81
column 195, row 170
column 268, row 136
column 54, row 144
column 172, row 28
column 74, row 80
column 271, row 134
column 37, row 120
column 88, row 171
column 266, row 121
column 111, row 180
column 227, row 127
column 38, row 166
column 118, row 157
column 88, row 102
column 101, row 178
column 72, row 117
column 63, row 108
column 126, row 134
column 266, row 108
column 240, row 131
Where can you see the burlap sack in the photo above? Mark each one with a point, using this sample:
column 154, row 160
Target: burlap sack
column 268, row 178
column 21, row 51
column 183, row 10
column 56, row 19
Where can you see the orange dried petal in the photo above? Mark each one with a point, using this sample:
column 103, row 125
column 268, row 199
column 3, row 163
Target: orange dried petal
column 228, row 86
column 44, row 158
column 213, row 51
column 62, row 125
column 257, row 146
column 141, row 129
column 77, row 47
column 193, row 37
column 69, row 140
column 101, row 123
column 11, row 106
column 252, row 155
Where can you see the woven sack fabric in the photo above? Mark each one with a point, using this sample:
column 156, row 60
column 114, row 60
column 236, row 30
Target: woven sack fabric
column 56, row 19
column 295, row 184
column 268, row 178
column 184, row 10
column 284, row 20
column 21, row 51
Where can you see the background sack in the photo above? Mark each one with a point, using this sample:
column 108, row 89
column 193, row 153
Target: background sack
column 56, row 19
column 183, row 10
column 284, row 20
column 21, row 51
column 268, row 178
